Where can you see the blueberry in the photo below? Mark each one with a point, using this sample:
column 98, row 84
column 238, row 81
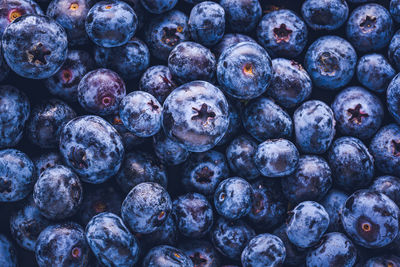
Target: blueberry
column 146, row 207
column 276, row 158
column 202, row 253
column 196, row 115
column 244, row 70
column 46, row 160
column 393, row 93
column 394, row 51
column 314, row 126
column 282, row 33
column 241, row 15
column 140, row 113
column 333, row 203
column 385, row 260
column 35, row 46
column 92, row 148
column 166, row 234
column 157, row 80
column 111, row 23
column 325, row 15
column 388, row 185
column 307, row 223
column 229, row 40
column 129, row 139
column 158, row 6
column 8, row 253
column 169, row 151
column 371, row 219
column 294, row 256
column 331, row 62
column 17, row 175
column 395, row 10
column 111, row 241
column 161, row 256
column 62, row 244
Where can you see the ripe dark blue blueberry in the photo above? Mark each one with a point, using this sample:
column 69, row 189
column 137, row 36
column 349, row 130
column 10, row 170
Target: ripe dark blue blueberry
column 392, row 97
column 241, row 15
column 229, row 40
column 394, row 51
column 395, row 10
column 161, row 256
column 168, row 151
column 8, row 253
column 325, row 15
column 333, row 203
column 157, row 80
column 202, row 253
column 388, row 185
column 158, row 6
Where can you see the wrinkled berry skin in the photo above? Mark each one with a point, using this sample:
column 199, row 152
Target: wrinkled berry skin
column 202, row 253
column 111, row 23
column 146, row 207
column 358, row 112
column 230, row 237
column 335, row 249
column 100, row 92
column 140, row 113
column 282, row 33
column 291, row 84
column 325, row 15
column 375, row 72
column 92, row 148
column 241, row 15
column 233, row 198
column 158, row 6
column 394, row 51
column 8, row 253
column 385, row 260
column 46, row 160
column 294, row 255
column 229, row 40
column 395, row 10
column 207, row 23
column 276, row 158
column 166, row 234
column 14, row 112
column 164, row 32
column 307, row 222
column 331, row 62
column 202, row 172
column 190, row 61
column 263, row 119
column 129, row 139
column 157, row 80
column 34, row 46
column 139, row 167
column 47, row 121
column 311, row 180
column 240, row 156
column 193, row 215
column 64, row 83
column 169, row 151
column 62, row 245
column 264, row 250
column 388, row 185
column 196, row 115
column 333, row 203
column 244, row 71
column 111, row 241
column 71, row 14
column 314, row 127
column 369, row 27
column 17, row 175
column 161, row 256
column 129, row 60
column 371, row 219
column 392, row 97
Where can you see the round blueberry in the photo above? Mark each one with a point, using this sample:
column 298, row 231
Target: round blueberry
column 333, row 203
column 388, row 185
column 325, row 15
column 162, row 256
column 394, row 51
column 241, row 15
column 158, row 6
column 395, row 10
column 169, row 151
column 8, row 253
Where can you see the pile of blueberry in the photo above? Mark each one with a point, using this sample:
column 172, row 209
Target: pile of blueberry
column 166, row 133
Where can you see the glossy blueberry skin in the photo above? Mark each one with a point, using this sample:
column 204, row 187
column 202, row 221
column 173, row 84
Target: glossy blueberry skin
column 394, row 51
column 240, row 156
column 14, row 112
column 369, row 27
column 233, row 198
column 71, row 14
column 92, row 148
column 146, row 207
column 201, row 252
column 164, row 32
column 264, row 250
column 375, row 72
column 335, row 249
column 388, row 185
column 263, row 119
column 311, row 180
column 325, row 15
column 333, row 203
column 8, row 253
column 370, row 219
column 384, row 149
column 241, row 15
column 282, row 33
column 161, row 256
column 385, row 260
column 244, row 71
column 229, row 40
column 291, row 84
column 111, row 23
column 231, row 237
column 202, row 172
column 395, row 10
column 157, row 80
column 207, row 23
column 129, row 139
column 314, row 126
column 294, row 255
column 129, row 60
column 276, row 158
column 17, row 174
column 140, row 113
column 196, row 115
column 158, row 6
column 46, row 122
column 35, row 46
column 190, row 61
column 169, row 151
column 307, row 222
column 46, row 160
column 193, row 215
column 64, row 83
column 166, row 234
column 331, row 62
column 71, row 248
column 111, row 241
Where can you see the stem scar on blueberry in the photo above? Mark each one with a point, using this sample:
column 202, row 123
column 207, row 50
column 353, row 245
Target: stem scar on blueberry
column 328, row 64
column 197, row 259
column 14, row 14
column 356, row 114
column 153, row 105
column 204, row 175
column 203, row 114
column 38, row 54
column 117, row 120
column 390, row 264
column 78, row 158
column 368, row 24
column 396, row 147
column 161, row 215
column 169, row 36
column 74, row 6
column 66, row 75
column 108, row 7
column 248, row 69
column 179, row 29
column 76, row 252
column 221, row 197
column 282, row 34
column 177, row 255
column 366, row 226
column 100, row 207
column 5, row 185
